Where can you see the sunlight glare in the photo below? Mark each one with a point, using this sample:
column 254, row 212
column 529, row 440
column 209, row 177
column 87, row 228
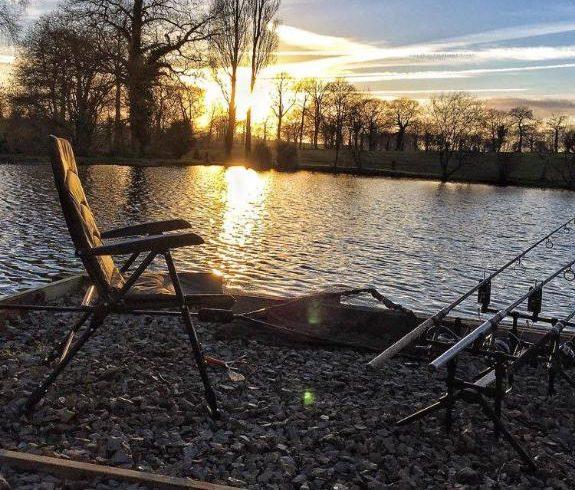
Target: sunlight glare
column 244, row 198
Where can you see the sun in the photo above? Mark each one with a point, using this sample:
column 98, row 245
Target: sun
column 260, row 101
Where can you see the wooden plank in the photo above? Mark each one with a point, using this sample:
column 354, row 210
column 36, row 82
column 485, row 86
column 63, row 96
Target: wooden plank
column 41, row 295
column 47, row 292
column 77, row 469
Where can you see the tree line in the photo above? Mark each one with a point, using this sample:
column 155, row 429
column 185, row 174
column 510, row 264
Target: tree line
column 335, row 114
column 120, row 74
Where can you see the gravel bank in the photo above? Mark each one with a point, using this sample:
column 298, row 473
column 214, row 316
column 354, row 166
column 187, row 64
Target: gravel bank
column 303, row 418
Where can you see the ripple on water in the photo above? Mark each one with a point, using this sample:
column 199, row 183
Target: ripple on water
column 421, row 242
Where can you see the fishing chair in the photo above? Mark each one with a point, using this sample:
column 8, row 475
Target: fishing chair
column 113, row 290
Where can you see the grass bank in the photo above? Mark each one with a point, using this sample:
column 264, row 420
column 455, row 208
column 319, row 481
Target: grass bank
column 526, row 169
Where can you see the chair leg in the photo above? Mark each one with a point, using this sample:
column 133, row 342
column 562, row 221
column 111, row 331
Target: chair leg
column 42, row 388
column 60, row 351
column 193, row 336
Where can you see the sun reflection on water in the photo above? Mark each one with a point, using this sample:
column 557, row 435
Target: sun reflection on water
column 244, row 198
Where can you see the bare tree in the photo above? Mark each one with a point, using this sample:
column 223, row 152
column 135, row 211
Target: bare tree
column 535, row 136
column 452, row 116
column 302, row 89
column 61, row 78
column 158, row 36
column 317, row 91
column 557, row 123
column 358, row 121
column 216, row 114
column 521, row 117
column 229, row 51
column 497, row 126
column 403, row 112
column 263, row 43
column 340, row 94
column 177, row 101
column 375, row 121
column 283, row 99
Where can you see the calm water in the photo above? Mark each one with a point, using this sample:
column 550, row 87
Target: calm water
column 422, row 243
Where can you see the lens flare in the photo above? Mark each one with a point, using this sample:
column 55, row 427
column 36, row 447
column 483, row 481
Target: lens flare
column 308, row 398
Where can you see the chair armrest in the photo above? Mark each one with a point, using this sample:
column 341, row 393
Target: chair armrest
column 151, row 243
column 153, row 228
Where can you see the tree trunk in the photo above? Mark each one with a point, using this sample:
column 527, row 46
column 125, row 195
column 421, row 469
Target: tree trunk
column 338, row 142
column 316, row 126
column 279, row 129
column 444, row 163
column 400, row 138
column 231, row 130
column 141, row 102
column 371, row 137
column 301, row 126
column 83, row 129
column 248, row 140
column 117, row 136
column 139, row 84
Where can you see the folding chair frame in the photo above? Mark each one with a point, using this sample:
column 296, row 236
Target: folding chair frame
column 97, row 313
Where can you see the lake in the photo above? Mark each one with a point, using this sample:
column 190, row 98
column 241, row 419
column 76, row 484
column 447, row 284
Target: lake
column 420, row 242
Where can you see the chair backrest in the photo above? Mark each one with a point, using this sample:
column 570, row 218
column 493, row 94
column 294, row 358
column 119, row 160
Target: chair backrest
column 79, row 218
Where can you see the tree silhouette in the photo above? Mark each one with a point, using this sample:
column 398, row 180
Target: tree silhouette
column 154, row 33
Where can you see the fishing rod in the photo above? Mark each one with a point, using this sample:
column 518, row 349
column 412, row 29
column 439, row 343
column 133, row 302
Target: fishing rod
column 418, row 331
column 492, row 323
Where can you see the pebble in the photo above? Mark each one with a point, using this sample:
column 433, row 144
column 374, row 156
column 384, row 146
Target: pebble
column 305, row 417
column 467, row 476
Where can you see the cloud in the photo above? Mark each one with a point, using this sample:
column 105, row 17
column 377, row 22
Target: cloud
column 543, row 106
column 338, row 52
column 449, row 74
column 510, row 34
column 439, row 91
column 306, row 53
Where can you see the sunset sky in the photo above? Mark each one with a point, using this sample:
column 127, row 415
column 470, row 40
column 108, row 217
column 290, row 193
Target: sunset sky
column 508, row 51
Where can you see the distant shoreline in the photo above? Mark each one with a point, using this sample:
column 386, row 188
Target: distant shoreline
column 391, row 174
column 526, row 170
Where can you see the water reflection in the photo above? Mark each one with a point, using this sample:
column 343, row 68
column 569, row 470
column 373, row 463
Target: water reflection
column 244, row 197
column 420, row 242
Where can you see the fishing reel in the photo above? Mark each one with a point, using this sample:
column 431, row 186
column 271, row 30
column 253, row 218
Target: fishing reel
column 499, row 344
column 535, row 301
column 443, row 334
column 484, row 296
